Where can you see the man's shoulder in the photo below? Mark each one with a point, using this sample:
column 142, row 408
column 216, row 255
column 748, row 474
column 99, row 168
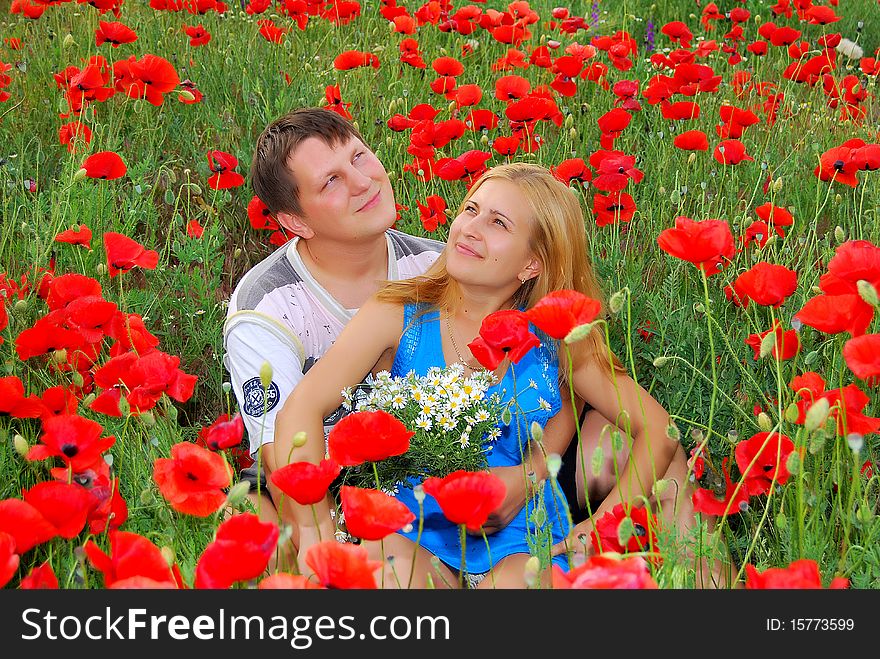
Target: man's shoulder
column 406, row 244
column 272, row 273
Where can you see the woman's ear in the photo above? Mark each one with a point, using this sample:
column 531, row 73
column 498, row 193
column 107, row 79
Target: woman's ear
column 533, row 269
column 294, row 224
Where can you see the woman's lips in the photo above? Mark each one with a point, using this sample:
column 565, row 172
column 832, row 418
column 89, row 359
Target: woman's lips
column 467, row 251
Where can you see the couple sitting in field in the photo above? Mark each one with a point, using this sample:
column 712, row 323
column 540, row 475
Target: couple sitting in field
column 385, row 300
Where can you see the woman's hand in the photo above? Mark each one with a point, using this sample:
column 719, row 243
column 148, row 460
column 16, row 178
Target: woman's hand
column 578, row 541
column 518, row 491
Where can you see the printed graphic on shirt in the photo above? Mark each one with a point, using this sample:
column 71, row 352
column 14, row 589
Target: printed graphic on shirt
column 258, row 401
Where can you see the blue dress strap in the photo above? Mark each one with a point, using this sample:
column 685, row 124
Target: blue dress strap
column 409, row 339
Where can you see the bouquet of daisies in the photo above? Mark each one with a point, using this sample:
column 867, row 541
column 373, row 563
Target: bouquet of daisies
column 454, row 418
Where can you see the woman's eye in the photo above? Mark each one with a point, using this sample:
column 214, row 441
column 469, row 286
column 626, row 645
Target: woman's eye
column 499, row 222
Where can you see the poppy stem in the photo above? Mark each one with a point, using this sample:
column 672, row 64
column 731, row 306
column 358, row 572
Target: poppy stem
column 463, row 540
column 412, row 565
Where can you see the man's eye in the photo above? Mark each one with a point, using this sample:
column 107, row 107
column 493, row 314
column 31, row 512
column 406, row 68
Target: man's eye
column 329, row 181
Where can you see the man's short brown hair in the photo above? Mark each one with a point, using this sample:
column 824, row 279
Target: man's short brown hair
column 272, row 180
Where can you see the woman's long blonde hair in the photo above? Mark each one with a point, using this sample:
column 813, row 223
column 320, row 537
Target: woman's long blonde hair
column 558, row 240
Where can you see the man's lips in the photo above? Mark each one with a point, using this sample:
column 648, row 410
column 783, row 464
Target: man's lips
column 372, row 203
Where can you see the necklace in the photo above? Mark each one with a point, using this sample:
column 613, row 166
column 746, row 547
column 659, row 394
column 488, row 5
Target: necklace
column 461, row 359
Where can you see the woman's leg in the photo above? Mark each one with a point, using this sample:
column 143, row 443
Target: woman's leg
column 400, row 571
column 510, row 572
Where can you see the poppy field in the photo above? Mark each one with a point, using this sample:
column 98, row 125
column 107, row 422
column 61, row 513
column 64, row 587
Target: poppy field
column 725, row 155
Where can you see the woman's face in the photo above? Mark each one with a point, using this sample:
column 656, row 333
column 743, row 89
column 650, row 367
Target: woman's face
column 488, row 242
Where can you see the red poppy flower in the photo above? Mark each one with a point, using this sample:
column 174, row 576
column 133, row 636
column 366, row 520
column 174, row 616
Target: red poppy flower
column 259, row 215
column 706, row 244
column 678, row 33
column 511, row 88
column 74, row 134
column 503, row 334
column 342, row 565
column 352, row 59
column 224, row 433
column 862, row 355
column 190, row 94
column 614, row 170
column 77, row 441
column 559, row 312
column 800, row 574
column 114, row 33
column 41, row 577
column 371, row 514
column 150, row 77
column 765, row 284
column 833, row 314
column 468, row 166
column 64, row 505
column 734, row 121
column 194, row 229
column 692, row 140
column 846, row 404
column 367, row 437
column 335, row 103
column 735, row 498
column 731, row 152
column 198, row 35
column 573, row 169
column 133, row 561
column 104, row 165
column 271, row 32
column 9, row 560
column 852, row 261
column 13, row 401
column 481, row 120
column 123, row 254
column 47, row 336
column 465, row 95
column 786, row 345
column 432, row 213
column 222, row 164
column 110, row 511
column 80, row 236
column 286, row 581
column 25, row 523
column 606, row 536
column 304, row 482
column 606, row 571
column 776, row 216
column 762, row 459
column 615, row 207
column 612, row 124
column 192, row 479
column 240, row 551
column 467, row 497
column 838, row 165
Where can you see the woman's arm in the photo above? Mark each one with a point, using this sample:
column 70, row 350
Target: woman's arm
column 373, row 330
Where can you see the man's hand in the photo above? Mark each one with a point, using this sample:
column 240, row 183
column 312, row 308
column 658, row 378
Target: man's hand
column 518, row 490
column 578, row 541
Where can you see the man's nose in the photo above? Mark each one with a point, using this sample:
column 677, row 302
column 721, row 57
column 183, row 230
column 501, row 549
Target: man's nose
column 359, row 181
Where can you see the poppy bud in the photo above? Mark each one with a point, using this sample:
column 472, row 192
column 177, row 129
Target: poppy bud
column 793, row 463
column 838, row 198
column 88, row 400
column 569, row 121
column 266, row 375
column 597, row 460
column 484, row 140
column 451, row 106
column 767, row 344
column 781, row 521
column 554, row 464
column 764, row 422
column 419, row 493
column 617, row 437
column 573, row 133
column 732, row 436
column 356, row 126
column 236, row 253
column 237, row 493
column 662, row 191
column 21, row 445
column 443, row 51
column 226, row 387
column 77, row 379
column 692, row 158
column 299, row 439
column 792, row 413
column 867, row 292
column 777, row 184
column 186, row 95
column 80, row 174
column 108, row 458
column 617, row 300
column 816, row 414
column 420, row 172
column 625, row 530
column 168, row 554
column 537, row 431
column 68, row 41
column 101, row 269
column 124, row 407
column 578, row 333
column 856, row 441
column 659, row 487
column 699, row 307
column 660, row 361
column 20, row 307
column 531, row 571
column 673, row 433
column 817, row 442
column 147, row 419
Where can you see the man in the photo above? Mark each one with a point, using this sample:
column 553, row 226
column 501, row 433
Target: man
column 325, row 187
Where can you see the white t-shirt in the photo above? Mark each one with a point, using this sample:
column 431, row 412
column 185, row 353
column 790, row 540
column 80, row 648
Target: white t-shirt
column 279, row 313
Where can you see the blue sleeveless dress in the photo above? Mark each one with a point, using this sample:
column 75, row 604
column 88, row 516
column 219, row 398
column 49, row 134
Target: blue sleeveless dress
column 420, row 349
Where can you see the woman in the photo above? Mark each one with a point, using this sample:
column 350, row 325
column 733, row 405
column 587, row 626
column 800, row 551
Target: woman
column 519, row 234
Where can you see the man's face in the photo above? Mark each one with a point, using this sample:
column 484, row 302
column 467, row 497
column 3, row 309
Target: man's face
column 345, row 192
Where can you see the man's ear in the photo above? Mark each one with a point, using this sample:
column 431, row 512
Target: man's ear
column 294, row 224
